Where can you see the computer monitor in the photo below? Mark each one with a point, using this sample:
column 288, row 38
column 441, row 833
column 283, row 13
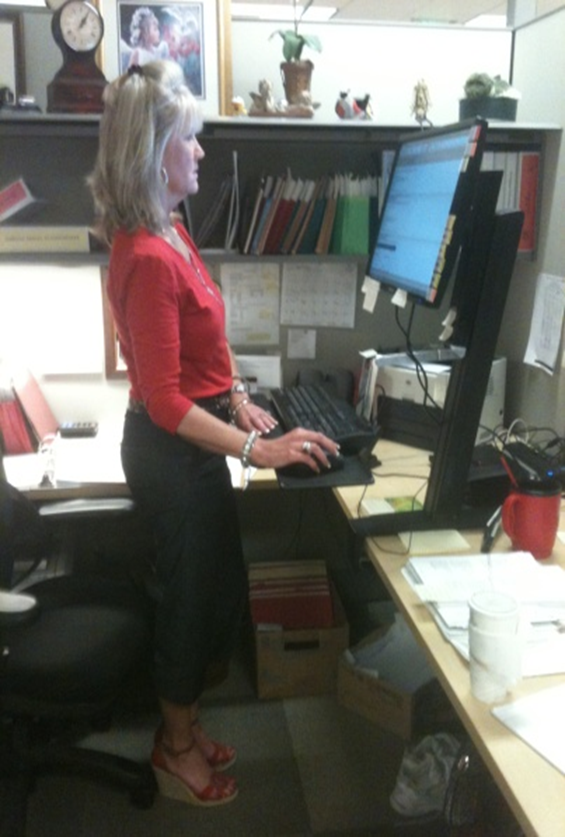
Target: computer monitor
column 487, row 244
column 425, row 209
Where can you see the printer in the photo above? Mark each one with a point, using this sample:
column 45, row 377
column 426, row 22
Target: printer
column 401, row 412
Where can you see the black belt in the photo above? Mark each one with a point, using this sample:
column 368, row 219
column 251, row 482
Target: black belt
column 217, row 404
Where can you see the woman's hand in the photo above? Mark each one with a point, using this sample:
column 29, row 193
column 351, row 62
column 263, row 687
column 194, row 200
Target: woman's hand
column 299, row 445
column 249, row 416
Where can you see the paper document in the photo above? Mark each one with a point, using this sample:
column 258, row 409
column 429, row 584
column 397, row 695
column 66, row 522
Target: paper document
column 547, row 322
column 538, row 720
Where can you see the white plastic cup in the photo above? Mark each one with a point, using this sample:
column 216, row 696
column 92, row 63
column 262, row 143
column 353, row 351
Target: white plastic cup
column 496, row 642
column 493, row 611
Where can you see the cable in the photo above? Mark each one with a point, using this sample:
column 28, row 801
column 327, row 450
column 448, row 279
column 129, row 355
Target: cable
column 420, row 371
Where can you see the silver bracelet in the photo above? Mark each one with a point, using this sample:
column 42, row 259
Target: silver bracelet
column 238, row 406
column 248, row 447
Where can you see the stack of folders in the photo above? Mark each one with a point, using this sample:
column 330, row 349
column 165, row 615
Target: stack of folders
column 293, row 595
column 330, row 214
column 446, row 583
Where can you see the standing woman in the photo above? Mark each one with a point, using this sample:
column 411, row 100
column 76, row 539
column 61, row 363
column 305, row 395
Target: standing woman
column 186, row 410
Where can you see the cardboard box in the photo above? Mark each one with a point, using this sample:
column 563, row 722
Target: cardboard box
column 298, row 663
column 377, row 698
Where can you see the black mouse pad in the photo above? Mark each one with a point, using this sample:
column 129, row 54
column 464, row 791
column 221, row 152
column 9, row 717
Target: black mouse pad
column 353, row 472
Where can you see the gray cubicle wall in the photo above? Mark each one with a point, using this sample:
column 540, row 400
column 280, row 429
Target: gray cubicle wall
column 532, row 394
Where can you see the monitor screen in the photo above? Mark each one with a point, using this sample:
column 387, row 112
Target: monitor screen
column 428, row 197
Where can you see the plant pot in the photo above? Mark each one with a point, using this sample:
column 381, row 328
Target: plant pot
column 490, row 107
column 296, row 77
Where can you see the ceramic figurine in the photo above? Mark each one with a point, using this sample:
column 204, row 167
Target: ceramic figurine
column 238, row 106
column 421, row 103
column 264, row 103
column 347, row 107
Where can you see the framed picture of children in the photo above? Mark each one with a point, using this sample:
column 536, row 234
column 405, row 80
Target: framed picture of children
column 175, row 31
column 190, row 33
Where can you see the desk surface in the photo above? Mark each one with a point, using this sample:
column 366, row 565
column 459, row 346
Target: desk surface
column 534, row 789
column 90, row 468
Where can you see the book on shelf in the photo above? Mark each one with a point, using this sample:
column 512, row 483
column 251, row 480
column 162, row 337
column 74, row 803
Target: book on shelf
column 529, row 170
column 234, row 210
column 297, row 216
column 387, row 163
column 281, row 220
column 328, row 214
column 326, row 227
column 249, row 210
column 519, row 188
column 16, row 199
column 357, row 200
column 269, row 211
column 312, row 206
column 261, row 208
column 313, row 225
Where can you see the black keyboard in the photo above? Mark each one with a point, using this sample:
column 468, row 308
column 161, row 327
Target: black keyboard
column 313, row 407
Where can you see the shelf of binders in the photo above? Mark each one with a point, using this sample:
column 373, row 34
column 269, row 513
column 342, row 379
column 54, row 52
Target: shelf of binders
column 47, row 158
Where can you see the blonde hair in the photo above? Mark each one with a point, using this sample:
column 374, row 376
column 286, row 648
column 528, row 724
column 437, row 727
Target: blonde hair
column 143, row 108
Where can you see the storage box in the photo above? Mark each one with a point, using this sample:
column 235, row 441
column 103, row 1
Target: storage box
column 377, row 698
column 292, row 595
column 298, row 663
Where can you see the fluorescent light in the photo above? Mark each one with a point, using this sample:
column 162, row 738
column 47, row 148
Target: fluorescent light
column 258, row 11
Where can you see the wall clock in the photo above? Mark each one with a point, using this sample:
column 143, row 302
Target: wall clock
column 77, row 27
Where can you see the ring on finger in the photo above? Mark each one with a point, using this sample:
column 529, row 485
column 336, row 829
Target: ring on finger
column 306, row 447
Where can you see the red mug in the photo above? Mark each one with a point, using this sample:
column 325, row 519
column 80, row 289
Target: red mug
column 530, row 516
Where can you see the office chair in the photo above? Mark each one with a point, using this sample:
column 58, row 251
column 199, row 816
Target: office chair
column 70, row 644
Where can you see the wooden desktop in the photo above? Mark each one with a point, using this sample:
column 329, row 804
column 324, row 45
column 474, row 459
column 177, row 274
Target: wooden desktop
column 534, row 789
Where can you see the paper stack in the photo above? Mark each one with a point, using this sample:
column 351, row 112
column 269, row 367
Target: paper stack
column 445, row 584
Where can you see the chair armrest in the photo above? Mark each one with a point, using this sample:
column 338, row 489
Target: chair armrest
column 16, row 608
column 87, row 507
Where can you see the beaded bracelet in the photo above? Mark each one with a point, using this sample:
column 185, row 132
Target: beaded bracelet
column 248, row 447
column 238, row 406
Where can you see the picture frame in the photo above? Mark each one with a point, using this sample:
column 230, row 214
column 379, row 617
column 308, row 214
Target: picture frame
column 205, row 56
column 114, row 365
column 12, row 64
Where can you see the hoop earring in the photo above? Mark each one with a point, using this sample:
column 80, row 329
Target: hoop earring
column 164, row 176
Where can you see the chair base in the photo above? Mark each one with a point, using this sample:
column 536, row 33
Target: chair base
column 23, row 763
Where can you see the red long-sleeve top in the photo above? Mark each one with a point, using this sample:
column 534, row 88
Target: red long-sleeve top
column 170, row 320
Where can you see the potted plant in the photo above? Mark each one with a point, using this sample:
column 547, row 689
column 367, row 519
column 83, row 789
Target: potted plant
column 487, row 96
column 297, row 72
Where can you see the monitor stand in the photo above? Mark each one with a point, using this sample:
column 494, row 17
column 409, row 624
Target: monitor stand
column 485, row 268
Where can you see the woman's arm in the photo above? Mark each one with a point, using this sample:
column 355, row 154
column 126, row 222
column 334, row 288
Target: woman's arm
column 209, row 432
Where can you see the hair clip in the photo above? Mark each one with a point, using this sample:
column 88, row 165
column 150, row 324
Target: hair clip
column 135, row 70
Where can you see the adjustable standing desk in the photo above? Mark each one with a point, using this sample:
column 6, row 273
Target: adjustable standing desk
column 534, row 789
